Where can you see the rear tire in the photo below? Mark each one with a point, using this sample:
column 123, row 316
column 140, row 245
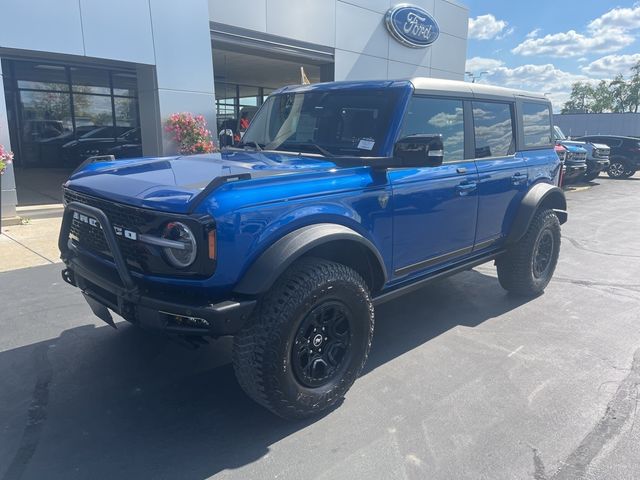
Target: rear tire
column 307, row 341
column 527, row 267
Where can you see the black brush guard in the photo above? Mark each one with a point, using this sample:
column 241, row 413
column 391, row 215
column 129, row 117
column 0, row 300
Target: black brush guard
column 105, row 289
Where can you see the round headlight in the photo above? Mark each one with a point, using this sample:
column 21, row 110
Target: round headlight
column 184, row 256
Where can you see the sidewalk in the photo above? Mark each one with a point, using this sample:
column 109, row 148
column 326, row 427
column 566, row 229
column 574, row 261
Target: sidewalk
column 30, row 245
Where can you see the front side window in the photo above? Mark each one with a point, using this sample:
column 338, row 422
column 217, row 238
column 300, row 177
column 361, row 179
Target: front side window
column 435, row 116
column 494, row 132
column 352, row 122
column 536, row 123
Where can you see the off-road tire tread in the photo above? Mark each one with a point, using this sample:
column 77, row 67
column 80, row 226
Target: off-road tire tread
column 259, row 338
column 514, row 267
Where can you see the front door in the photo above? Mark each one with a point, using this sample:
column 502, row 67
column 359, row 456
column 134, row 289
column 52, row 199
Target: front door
column 435, row 208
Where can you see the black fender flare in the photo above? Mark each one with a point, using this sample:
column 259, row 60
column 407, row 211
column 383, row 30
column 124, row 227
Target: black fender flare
column 539, row 196
column 265, row 270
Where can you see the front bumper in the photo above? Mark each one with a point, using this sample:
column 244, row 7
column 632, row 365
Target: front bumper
column 105, row 288
column 597, row 165
column 573, row 172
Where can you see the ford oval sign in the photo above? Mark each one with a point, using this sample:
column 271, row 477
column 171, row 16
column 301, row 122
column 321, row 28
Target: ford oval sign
column 412, row 26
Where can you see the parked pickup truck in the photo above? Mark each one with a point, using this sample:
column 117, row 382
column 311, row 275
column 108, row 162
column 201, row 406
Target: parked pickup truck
column 342, row 196
column 597, row 154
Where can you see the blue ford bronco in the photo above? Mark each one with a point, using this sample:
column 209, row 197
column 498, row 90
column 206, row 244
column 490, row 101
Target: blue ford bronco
column 342, row 196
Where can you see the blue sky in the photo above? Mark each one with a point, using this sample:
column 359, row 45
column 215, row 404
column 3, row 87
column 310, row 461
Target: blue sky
column 545, row 46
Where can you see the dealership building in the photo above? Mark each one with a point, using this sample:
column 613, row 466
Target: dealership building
column 86, row 77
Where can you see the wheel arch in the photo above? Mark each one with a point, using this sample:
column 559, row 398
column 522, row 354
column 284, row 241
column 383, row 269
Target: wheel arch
column 540, row 196
column 325, row 240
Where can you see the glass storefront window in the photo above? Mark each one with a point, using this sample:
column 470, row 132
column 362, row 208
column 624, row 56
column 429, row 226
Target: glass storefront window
column 40, row 76
column 124, row 84
column 235, row 107
column 60, row 115
column 92, row 110
column 90, row 80
column 126, row 111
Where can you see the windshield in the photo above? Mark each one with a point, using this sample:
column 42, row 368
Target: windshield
column 336, row 122
column 559, row 134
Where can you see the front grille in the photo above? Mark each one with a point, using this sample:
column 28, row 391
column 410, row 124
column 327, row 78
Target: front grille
column 579, row 157
column 601, row 153
column 92, row 239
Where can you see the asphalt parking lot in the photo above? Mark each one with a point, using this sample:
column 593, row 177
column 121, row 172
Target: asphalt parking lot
column 463, row 381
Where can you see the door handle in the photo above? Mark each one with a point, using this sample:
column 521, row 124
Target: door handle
column 518, row 178
column 461, row 170
column 465, row 189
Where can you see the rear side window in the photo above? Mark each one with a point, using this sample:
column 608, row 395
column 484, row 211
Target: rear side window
column 437, row 116
column 494, row 132
column 536, row 123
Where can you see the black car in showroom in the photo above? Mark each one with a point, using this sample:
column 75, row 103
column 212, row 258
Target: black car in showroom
column 121, row 142
column 624, row 160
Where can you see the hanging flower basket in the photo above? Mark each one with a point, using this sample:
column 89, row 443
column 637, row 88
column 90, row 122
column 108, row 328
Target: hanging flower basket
column 190, row 133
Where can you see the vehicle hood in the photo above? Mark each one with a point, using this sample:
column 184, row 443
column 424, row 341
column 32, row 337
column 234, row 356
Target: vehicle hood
column 171, row 183
column 573, row 146
column 601, row 146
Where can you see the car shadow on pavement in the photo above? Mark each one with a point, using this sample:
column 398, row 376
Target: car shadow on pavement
column 96, row 403
column 467, row 299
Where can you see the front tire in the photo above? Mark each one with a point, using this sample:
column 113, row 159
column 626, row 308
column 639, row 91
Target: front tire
column 617, row 169
column 589, row 176
column 527, row 267
column 308, row 340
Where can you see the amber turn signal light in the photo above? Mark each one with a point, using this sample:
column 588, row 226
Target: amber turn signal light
column 212, row 244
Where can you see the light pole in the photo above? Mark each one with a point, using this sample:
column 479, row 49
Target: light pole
column 475, row 77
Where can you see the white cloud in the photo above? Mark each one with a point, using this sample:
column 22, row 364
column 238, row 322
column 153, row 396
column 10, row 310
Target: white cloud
column 533, row 33
column 606, row 34
column 485, row 27
column 611, row 65
column 481, row 64
column 541, row 79
column 574, row 44
column 618, row 18
column 508, row 32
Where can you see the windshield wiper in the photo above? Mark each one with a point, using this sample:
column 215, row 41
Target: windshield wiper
column 251, row 143
column 322, row 150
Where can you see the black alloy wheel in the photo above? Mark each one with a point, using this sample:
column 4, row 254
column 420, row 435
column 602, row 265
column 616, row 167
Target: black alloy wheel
column 321, row 344
column 543, row 253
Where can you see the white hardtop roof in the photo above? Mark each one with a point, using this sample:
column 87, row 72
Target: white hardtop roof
column 441, row 86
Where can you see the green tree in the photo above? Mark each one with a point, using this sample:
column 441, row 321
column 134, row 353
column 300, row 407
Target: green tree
column 620, row 93
column 581, row 99
column 634, row 88
column 602, row 98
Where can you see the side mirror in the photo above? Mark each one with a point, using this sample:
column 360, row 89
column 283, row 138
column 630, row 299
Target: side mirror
column 419, row 151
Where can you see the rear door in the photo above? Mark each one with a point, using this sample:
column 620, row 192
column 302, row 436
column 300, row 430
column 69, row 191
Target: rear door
column 502, row 175
column 435, row 208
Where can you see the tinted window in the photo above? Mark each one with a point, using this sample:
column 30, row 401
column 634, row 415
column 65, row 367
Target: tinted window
column 437, row 116
column 493, row 125
column 536, row 123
